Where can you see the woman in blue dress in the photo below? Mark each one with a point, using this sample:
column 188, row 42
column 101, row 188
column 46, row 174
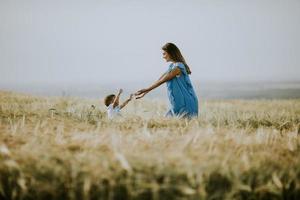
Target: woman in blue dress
column 183, row 99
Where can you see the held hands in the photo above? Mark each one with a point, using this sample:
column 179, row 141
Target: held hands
column 138, row 95
column 141, row 93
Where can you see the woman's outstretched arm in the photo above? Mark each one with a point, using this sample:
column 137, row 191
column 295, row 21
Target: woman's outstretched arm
column 164, row 78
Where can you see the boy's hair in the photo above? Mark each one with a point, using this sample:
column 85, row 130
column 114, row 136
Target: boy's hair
column 108, row 99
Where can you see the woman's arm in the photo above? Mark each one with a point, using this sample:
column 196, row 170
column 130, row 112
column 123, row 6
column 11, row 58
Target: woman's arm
column 164, row 78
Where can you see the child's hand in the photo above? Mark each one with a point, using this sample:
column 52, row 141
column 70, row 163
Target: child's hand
column 131, row 97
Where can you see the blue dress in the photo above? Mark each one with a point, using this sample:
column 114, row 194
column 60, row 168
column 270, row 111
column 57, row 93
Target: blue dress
column 183, row 99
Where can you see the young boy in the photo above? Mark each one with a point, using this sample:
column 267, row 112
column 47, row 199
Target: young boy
column 112, row 104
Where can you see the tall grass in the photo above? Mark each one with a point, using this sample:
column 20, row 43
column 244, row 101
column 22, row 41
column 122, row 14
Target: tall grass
column 66, row 148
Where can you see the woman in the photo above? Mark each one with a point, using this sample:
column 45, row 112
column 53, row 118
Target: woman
column 183, row 100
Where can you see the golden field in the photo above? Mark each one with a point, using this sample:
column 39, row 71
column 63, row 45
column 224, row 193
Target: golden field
column 66, row 148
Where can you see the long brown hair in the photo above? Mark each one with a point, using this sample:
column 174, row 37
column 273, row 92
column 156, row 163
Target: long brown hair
column 176, row 55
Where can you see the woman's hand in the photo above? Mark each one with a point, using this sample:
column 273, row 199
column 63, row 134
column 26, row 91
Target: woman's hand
column 141, row 93
column 140, row 96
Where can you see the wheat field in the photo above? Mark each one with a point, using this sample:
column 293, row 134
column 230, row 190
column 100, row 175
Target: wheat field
column 66, row 148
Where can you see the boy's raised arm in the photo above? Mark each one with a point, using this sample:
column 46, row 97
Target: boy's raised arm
column 126, row 102
column 116, row 100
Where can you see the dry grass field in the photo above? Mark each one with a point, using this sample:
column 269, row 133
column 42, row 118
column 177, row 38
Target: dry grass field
column 65, row 148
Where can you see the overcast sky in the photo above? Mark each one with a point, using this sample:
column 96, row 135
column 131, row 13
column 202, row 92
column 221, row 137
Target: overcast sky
column 108, row 41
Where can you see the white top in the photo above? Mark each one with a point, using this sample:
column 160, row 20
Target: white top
column 113, row 112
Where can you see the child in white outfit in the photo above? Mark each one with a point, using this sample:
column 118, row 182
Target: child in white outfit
column 112, row 104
